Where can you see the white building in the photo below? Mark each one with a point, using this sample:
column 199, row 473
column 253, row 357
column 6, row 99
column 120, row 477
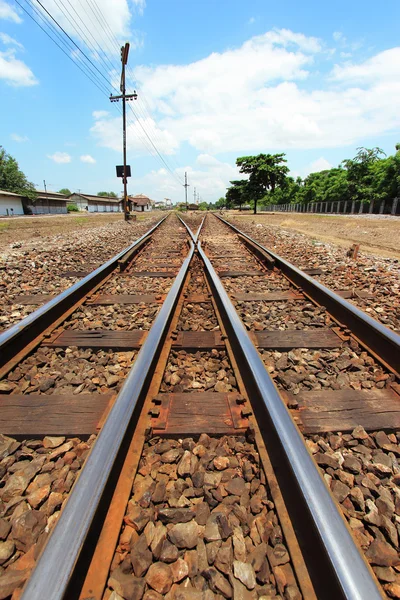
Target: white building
column 90, row 203
column 141, row 203
column 10, row 204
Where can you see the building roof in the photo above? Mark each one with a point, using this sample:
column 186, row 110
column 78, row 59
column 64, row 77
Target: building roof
column 5, row 193
column 46, row 197
column 52, row 195
column 97, row 198
column 141, row 200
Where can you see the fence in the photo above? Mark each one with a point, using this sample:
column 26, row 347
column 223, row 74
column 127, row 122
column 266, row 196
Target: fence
column 341, row 207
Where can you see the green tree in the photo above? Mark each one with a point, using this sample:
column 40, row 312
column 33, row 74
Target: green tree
column 266, row 172
column 65, row 191
column 237, row 194
column 12, row 179
column 203, row 206
column 360, row 171
column 108, row 194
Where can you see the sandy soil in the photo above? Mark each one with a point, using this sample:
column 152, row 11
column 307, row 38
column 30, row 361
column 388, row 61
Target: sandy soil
column 17, row 229
column 377, row 235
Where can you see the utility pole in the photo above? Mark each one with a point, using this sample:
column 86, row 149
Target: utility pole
column 194, row 195
column 47, row 198
column 186, row 187
column 198, row 197
column 124, row 96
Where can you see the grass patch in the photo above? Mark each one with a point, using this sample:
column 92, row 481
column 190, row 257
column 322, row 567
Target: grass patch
column 81, row 220
column 4, row 226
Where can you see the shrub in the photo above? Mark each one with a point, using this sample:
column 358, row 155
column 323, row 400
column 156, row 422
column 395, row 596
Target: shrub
column 72, row 208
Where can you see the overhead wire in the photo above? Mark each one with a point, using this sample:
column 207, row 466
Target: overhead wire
column 141, row 110
column 98, row 84
column 91, row 71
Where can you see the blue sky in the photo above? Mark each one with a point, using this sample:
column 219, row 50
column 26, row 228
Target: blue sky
column 216, row 79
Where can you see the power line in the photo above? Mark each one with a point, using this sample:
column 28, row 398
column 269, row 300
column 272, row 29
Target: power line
column 102, row 90
column 72, row 41
column 87, row 69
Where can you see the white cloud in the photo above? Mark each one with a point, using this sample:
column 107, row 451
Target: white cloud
column 338, row 36
column 99, row 114
column 118, row 15
column 108, row 133
column 19, row 138
column 140, row 5
column 60, row 157
column 15, row 72
column 8, row 13
column 209, row 176
column 253, row 97
column 86, row 158
column 384, row 66
column 9, row 41
column 320, row 164
column 251, row 21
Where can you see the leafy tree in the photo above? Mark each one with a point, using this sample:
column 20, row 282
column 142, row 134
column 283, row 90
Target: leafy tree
column 65, row 191
column 109, row 194
column 203, row 206
column 360, row 173
column 220, row 203
column 266, row 172
column 237, row 194
column 12, row 179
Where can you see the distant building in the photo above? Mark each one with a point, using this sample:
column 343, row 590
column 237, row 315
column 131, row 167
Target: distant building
column 46, row 203
column 193, row 207
column 160, row 204
column 91, row 203
column 11, row 204
column 141, row 203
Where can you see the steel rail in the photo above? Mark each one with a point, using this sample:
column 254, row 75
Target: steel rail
column 194, row 236
column 352, row 573
column 18, row 336
column 381, row 340
column 56, row 564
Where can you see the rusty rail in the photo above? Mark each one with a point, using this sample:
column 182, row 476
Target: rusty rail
column 378, row 339
column 20, row 335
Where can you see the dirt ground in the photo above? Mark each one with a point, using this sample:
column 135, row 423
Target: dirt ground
column 379, row 235
column 17, row 229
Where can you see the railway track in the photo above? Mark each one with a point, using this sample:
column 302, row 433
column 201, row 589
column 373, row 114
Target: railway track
column 371, row 283
column 200, row 484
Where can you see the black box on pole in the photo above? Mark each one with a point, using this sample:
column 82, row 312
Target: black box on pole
column 120, row 170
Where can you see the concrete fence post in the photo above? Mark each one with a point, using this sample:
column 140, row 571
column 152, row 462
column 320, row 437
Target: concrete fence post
column 382, row 207
column 371, row 207
column 345, row 206
column 394, row 206
column 360, row 210
column 353, row 207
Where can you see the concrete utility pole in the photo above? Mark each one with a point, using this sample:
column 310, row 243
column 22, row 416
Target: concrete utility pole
column 186, row 187
column 124, row 96
column 194, row 196
column 47, row 198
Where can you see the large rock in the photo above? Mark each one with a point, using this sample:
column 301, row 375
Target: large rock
column 218, row 583
column 236, row 486
column 245, row 573
column 27, row 528
column 127, row 585
column 6, row 550
column 160, row 577
column 175, row 515
column 382, row 554
column 184, row 535
column 10, row 580
column 141, row 557
column 19, row 481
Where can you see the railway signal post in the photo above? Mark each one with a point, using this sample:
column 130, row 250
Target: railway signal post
column 124, row 97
